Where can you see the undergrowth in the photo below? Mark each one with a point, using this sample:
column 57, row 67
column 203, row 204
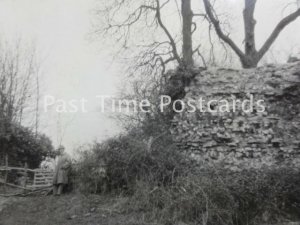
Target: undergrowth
column 168, row 187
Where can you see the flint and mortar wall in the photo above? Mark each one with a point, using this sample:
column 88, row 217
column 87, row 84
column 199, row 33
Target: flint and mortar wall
column 239, row 139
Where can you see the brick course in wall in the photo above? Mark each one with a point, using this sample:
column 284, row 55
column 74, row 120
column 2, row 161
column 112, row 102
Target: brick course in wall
column 243, row 139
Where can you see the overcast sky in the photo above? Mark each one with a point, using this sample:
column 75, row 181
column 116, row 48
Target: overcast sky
column 74, row 67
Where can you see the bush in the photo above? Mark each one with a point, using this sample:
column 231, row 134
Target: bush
column 223, row 197
column 271, row 194
column 22, row 145
column 191, row 199
column 168, row 187
column 127, row 160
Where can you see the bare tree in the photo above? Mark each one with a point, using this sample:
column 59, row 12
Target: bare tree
column 17, row 75
column 160, row 51
column 250, row 57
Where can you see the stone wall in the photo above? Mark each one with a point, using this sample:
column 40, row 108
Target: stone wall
column 243, row 139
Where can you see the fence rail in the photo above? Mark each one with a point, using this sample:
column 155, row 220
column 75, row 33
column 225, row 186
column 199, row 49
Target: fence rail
column 41, row 178
column 8, row 168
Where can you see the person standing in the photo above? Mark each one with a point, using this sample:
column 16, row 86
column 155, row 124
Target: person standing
column 60, row 178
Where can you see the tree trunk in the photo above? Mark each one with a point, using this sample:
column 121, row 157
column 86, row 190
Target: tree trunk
column 250, row 59
column 187, row 20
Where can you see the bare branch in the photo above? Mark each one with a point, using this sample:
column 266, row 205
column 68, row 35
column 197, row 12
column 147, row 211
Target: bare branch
column 280, row 26
column 194, row 28
column 197, row 50
column 200, row 15
column 152, row 56
column 216, row 24
column 172, row 42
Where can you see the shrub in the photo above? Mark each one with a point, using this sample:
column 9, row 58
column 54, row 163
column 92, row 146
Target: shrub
column 168, row 187
column 223, row 197
column 192, row 199
column 22, row 145
column 128, row 159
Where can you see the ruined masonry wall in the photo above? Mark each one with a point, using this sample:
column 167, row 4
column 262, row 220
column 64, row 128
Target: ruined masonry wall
column 238, row 139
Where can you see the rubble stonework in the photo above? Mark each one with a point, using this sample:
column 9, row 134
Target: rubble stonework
column 244, row 139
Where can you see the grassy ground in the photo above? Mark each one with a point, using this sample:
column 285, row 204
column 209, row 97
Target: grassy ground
column 73, row 209
column 66, row 210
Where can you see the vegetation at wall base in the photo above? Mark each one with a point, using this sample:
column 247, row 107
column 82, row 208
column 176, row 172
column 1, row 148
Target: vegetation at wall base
column 169, row 188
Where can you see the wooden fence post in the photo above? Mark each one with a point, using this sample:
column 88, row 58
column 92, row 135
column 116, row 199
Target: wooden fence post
column 6, row 171
column 26, row 174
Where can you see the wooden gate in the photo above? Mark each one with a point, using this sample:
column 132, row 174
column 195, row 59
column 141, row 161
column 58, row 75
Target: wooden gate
column 30, row 179
column 42, row 178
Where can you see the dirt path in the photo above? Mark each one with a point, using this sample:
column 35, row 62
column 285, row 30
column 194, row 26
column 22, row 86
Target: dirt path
column 67, row 210
column 5, row 202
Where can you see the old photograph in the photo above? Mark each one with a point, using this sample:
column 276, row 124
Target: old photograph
column 149, row 112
